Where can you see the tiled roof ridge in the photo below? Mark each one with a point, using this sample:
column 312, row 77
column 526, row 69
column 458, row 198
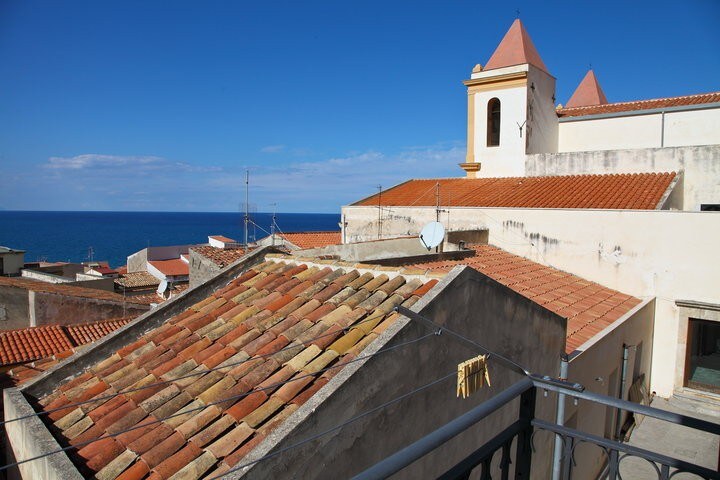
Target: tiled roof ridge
column 638, row 102
column 611, row 191
column 281, row 327
column 588, row 306
column 63, row 289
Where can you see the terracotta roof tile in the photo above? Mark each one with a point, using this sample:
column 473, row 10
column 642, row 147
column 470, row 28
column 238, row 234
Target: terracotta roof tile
column 27, row 344
column 223, row 329
column 173, row 267
column 585, row 304
column 137, row 280
column 641, row 191
column 63, row 289
column 305, row 240
column 639, row 105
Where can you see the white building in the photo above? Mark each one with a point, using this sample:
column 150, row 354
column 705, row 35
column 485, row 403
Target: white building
column 566, row 206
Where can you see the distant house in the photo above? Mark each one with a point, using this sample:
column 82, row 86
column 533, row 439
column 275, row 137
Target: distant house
column 219, row 241
column 11, row 260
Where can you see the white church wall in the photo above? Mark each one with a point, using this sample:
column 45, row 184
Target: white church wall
column 700, row 164
column 692, row 127
column 665, row 254
column 638, row 131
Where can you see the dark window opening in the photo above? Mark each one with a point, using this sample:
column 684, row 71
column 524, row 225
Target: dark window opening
column 703, row 362
column 710, row 207
column 493, row 123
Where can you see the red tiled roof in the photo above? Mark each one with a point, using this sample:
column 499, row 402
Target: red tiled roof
column 62, row 289
column 174, row 267
column 587, row 93
column 104, row 270
column 273, row 323
column 639, row 191
column 220, row 238
column 121, row 270
column 589, row 307
column 516, row 48
column 638, row 105
column 305, row 240
column 27, row 344
column 221, row 257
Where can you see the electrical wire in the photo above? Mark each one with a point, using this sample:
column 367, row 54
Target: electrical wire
column 339, row 426
column 188, row 375
column 217, row 402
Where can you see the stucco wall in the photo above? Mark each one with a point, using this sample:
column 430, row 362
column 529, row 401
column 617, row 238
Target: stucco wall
column 14, row 308
column 666, row 254
column 598, row 366
column 466, row 301
column 12, row 262
column 202, row 269
column 137, row 262
column 641, row 130
column 700, row 164
column 51, row 308
column 541, row 129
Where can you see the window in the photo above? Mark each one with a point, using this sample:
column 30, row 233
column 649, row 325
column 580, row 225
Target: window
column 710, row 207
column 703, row 355
column 493, row 123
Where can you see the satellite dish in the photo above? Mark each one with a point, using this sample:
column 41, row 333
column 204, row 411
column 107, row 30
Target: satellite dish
column 432, row 235
column 162, row 287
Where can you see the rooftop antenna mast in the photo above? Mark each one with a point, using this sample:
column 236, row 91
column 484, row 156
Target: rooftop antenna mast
column 272, row 223
column 247, row 205
column 379, row 187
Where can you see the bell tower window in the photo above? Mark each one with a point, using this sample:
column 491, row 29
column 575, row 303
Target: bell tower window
column 493, row 122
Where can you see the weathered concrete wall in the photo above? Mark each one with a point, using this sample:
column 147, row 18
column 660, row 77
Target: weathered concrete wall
column 52, row 308
column 202, row 269
column 137, row 262
column 466, row 301
column 598, row 366
column 14, row 308
column 29, row 438
column 374, row 249
column 658, row 253
column 12, row 262
column 700, row 165
column 44, row 276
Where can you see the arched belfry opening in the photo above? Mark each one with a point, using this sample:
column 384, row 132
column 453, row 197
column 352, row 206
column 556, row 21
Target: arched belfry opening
column 493, row 122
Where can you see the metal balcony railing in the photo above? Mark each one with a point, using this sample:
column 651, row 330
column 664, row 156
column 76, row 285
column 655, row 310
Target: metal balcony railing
column 521, row 431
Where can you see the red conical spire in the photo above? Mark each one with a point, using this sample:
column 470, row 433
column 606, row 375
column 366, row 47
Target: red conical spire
column 587, row 93
column 516, row 48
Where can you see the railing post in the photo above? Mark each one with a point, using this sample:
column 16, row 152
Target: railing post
column 613, row 464
column 524, row 447
column 568, row 445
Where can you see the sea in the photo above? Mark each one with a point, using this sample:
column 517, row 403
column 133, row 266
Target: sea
column 112, row 236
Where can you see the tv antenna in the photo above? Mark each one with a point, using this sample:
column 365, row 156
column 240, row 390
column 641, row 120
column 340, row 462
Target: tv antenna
column 246, row 219
column 272, row 223
column 379, row 187
column 432, row 235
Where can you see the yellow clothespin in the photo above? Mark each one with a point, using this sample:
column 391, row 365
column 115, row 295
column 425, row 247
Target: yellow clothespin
column 472, row 374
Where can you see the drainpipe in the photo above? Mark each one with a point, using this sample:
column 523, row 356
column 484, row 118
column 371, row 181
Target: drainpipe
column 623, row 381
column 662, row 129
column 560, row 420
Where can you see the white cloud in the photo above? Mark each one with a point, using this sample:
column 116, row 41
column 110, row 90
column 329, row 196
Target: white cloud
column 273, row 149
column 96, row 161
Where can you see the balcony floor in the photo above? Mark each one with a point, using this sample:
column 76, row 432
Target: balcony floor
column 676, row 441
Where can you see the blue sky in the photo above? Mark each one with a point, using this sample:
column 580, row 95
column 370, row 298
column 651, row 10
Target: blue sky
column 161, row 106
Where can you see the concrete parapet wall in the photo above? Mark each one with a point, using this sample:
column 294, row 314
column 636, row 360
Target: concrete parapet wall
column 30, row 438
